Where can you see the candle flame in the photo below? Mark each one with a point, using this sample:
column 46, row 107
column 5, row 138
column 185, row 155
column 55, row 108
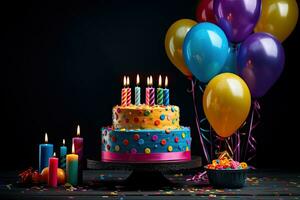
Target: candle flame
column 54, row 154
column 127, row 82
column 159, row 81
column 137, row 79
column 124, row 81
column 78, row 130
column 46, row 138
column 73, row 148
column 64, row 142
column 150, row 81
column 166, row 82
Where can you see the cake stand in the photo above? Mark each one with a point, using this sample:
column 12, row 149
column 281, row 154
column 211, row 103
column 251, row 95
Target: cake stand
column 147, row 174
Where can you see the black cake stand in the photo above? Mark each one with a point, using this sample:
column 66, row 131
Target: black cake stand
column 147, row 174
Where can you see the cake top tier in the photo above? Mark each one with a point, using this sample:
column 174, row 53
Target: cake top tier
column 146, row 117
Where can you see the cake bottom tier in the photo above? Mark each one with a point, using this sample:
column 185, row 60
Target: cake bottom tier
column 146, row 146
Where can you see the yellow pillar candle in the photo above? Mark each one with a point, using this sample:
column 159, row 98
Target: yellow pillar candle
column 72, row 167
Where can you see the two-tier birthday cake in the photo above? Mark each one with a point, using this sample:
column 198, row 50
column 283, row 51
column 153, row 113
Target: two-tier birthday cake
column 146, row 134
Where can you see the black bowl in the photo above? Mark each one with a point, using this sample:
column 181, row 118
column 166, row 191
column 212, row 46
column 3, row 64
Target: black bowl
column 233, row 178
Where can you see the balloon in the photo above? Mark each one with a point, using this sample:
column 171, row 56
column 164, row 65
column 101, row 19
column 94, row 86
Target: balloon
column 278, row 17
column 230, row 64
column 260, row 62
column 205, row 11
column 226, row 103
column 174, row 40
column 205, row 50
column 237, row 18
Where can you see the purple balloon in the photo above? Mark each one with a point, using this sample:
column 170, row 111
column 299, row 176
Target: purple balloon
column 260, row 62
column 237, row 18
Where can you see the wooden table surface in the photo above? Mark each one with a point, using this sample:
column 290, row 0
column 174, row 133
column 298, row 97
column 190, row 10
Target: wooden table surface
column 99, row 184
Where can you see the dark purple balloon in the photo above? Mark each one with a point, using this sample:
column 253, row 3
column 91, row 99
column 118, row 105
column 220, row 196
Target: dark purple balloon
column 260, row 62
column 237, row 18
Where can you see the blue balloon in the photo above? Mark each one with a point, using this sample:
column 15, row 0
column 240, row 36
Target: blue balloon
column 205, row 50
column 231, row 61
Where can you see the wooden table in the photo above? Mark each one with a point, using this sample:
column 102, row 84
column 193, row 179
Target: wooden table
column 265, row 184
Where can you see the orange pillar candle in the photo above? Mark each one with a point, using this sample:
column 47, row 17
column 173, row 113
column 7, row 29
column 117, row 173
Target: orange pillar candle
column 72, row 167
column 52, row 176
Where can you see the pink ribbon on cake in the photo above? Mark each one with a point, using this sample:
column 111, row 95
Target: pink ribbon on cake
column 141, row 157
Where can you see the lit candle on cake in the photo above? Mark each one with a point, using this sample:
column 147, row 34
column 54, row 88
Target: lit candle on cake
column 137, row 91
column 148, row 92
column 128, row 92
column 45, row 152
column 72, row 167
column 78, row 145
column 166, row 93
column 52, row 175
column 124, row 93
column 160, row 92
column 62, row 155
column 152, row 92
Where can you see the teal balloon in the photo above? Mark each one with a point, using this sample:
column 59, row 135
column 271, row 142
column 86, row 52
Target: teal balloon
column 231, row 61
column 205, row 50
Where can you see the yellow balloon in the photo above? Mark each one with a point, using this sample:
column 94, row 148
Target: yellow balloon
column 174, row 41
column 226, row 103
column 278, row 17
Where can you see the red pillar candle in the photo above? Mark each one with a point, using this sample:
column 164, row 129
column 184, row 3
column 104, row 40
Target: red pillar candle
column 147, row 92
column 124, row 93
column 152, row 92
column 52, row 177
column 78, row 145
column 128, row 92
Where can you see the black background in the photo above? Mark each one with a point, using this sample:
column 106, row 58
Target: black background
column 63, row 62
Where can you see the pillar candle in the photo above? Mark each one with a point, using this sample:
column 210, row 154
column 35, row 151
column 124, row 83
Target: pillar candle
column 148, row 92
column 166, row 93
column 137, row 92
column 151, row 92
column 78, row 145
column 160, row 92
column 124, row 93
column 72, row 167
column 52, row 176
column 62, row 156
column 128, row 92
column 45, row 152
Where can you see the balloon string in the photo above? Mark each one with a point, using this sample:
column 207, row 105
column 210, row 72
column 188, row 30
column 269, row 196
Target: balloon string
column 251, row 140
column 197, row 122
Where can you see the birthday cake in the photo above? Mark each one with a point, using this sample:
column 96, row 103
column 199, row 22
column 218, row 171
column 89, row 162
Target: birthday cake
column 145, row 133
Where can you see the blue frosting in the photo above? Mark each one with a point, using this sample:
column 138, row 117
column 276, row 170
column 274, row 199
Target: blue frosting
column 157, row 140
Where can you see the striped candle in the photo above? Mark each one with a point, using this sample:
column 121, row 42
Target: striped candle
column 137, row 91
column 147, row 92
column 152, row 92
column 124, row 93
column 128, row 92
column 160, row 92
column 166, row 93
